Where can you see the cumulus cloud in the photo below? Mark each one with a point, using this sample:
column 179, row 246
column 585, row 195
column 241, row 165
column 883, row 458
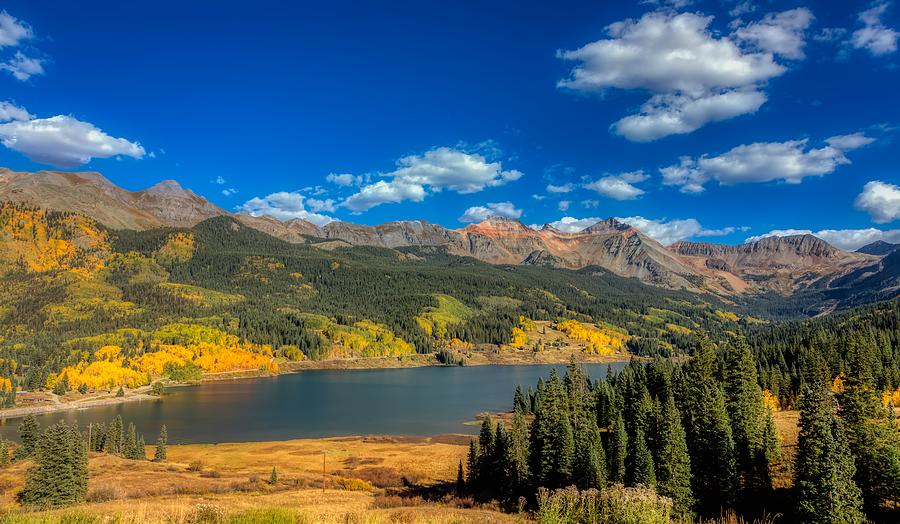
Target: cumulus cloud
column 874, row 36
column 317, row 205
column 63, row 141
column 562, row 188
column 619, row 187
column 284, row 205
column 694, row 75
column 778, row 33
column 23, row 67
column 344, row 179
column 849, row 142
column 499, row 209
column 663, row 231
column 572, row 224
column 790, row 161
column 10, row 111
column 880, row 200
column 13, row 30
column 846, row 239
column 434, row 171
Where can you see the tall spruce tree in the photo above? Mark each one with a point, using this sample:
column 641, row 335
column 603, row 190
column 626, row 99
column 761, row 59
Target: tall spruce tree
column 872, row 439
column 129, row 447
column 589, row 461
column 518, row 454
column 639, row 469
column 826, row 492
column 552, row 442
column 673, row 464
column 162, row 445
column 58, row 476
column 617, row 450
column 746, row 412
column 115, row 437
column 708, row 431
column 29, row 435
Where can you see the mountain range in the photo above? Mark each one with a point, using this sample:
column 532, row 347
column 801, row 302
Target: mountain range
column 790, row 265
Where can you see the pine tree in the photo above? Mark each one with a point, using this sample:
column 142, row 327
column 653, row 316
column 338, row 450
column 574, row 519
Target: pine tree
column 519, row 403
column 115, row 437
column 589, row 462
column 502, row 485
column 141, row 450
column 771, row 442
column 673, row 467
column 552, row 442
column 746, row 412
column 639, row 470
column 518, row 454
column 59, row 474
column 617, row 450
column 29, row 436
column 162, row 444
column 824, row 468
column 460, row 481
column 129, row 447
column 4, row 454
column 120, row 392
column 273, row 478
column 708, row 431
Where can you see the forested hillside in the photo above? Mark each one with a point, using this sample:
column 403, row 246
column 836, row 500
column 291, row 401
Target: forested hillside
column 87, row 308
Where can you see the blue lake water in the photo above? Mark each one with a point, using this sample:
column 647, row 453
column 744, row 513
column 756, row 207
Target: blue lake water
column 415, row 401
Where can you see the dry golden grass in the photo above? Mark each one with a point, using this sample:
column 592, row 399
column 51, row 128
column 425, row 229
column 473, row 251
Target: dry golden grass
column 234, row 479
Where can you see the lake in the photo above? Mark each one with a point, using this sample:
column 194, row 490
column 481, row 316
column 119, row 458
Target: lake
column 413, row 401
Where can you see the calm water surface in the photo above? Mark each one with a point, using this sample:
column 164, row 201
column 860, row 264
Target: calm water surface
column 415, row 401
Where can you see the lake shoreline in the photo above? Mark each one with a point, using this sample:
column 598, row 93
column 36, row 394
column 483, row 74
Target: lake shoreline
column 475, row 359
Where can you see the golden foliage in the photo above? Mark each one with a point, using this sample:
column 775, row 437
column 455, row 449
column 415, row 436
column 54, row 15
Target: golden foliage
column 40, row 242
column 597, row 341
column 771, row 401
column 518, row 339
column 366, row 339
column 198, row 296
column 891, row 397
column 679, row 330
column 727, row 315
column 179, row 247
column 837, row 385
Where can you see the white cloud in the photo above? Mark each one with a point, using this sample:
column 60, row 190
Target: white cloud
column 563, row 188
column 219, row 180
column 10, row 111
column 790, row 161
column 874, row 36
column 344, row 179
column 434, row 171
column 317, row 205
column 663, row 231
column 500, row 209
column 64, row 141
column 23, row 67
column 563, row 205
column 694, row 75
column 619, row 187
column 742, row 8
column 880, row 200
column 229, row 191
column 849, row 142
column 574, row 225
column 284, row 205
column 590, row 204
column 673, row 114
column 13, row 30
column 781, row 34
column 846, row 239
column 538, row 197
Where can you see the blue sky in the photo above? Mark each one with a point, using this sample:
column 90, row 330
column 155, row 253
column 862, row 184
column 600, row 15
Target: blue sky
column 713, row 121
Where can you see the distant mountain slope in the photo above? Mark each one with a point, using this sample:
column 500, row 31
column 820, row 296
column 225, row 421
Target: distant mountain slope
column 783, row 265
column 91, row 194
column 879, row 248
column 779, row 264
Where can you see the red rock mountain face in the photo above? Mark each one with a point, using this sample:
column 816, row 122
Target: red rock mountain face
column 783, row 264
